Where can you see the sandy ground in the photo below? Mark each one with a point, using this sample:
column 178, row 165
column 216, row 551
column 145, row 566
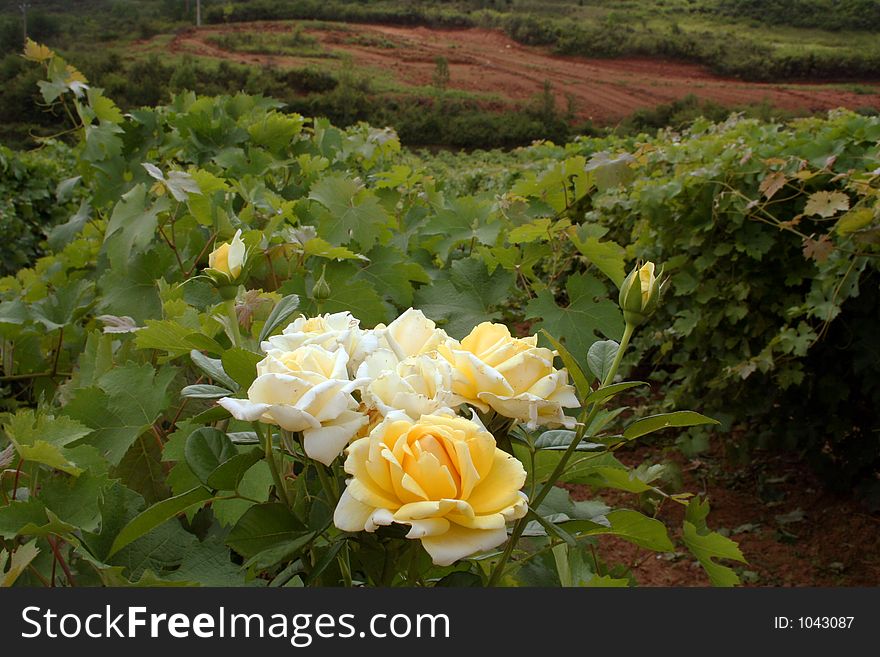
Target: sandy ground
column 488, row 62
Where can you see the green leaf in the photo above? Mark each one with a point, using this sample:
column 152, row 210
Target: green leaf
column 21, row 558
column 133, row 291
column 169, row 336
column 132, row 227
column 262, row 527
column 207, row 448
column 707, row 545
column 470, row 297
column 580, row 380
column 124, row 404
column 653, row 423
column 43, row 439
column 600, row 395
column 639, row 529
column 352, row 212
column 209, row 564
column 205, row 391
column 561, row 439
column 608, row 257
column 466, row 220
column 854, row 220
column 280, row 552
column 241, row 365
column 600, row 358
column 228, row 474
column 141, row 468
column 212, row 367
column 282, row 310
column 155, row 515
column 391, row 272
column 576, row 324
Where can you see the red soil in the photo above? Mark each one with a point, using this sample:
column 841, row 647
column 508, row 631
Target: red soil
column 790, row 528
column 486, row 61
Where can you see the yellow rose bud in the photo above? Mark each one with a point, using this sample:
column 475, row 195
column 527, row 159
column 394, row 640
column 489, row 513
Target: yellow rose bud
column 442, row 475
column 640, row 294
column 227, row 259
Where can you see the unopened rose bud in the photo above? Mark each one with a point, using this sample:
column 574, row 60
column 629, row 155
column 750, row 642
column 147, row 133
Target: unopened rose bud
column 321, row 288
column 640, row 294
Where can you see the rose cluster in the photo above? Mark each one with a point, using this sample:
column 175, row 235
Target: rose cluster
column 401, row 398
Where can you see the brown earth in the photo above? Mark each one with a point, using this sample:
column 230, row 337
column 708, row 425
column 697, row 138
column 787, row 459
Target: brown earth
column 488, row 62
column 790, row 528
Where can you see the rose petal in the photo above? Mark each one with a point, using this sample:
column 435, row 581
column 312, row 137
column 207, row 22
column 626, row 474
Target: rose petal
column 460, row 542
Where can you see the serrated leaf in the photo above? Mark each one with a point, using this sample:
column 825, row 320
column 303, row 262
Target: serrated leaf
column 826, row 204
column 772, row 183
column 608, row 257
column 575, row 325
column 653, row 423
column 707, row 546
column 37, row 52
column 126, row 401
column 467, row 299
column 354, row 213
column 21, row 558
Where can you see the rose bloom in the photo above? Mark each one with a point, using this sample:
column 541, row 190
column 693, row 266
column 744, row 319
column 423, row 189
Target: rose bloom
column 411, row 334
column 330, row 331
column 512, row 376
column 442, row 475
column 307, row 390
column 417, row 385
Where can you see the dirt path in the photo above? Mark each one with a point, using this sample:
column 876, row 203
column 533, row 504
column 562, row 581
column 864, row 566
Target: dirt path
column 488, row 62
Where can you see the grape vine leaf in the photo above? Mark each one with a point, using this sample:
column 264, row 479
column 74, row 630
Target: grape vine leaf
column 576, row 324
column 707, row 545
column 125, row 403
column 352, row 212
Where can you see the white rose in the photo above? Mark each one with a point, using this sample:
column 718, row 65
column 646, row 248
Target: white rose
column 411, row 334
column 418, row 385
column 306, row 390
column 330, row 331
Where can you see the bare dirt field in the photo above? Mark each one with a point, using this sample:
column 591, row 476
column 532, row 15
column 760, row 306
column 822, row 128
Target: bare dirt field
column 488, row 62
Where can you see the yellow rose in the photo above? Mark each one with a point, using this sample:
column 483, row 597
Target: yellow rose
column 442, row 475
column 306, row 390
column 228, row 258
column 512, row 376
